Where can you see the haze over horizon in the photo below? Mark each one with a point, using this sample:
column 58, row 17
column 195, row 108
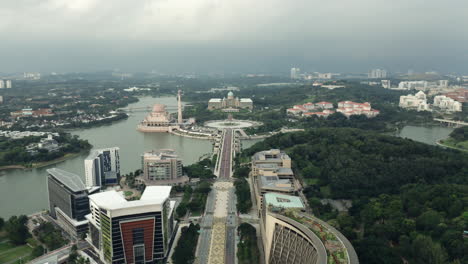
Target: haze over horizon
column 233, row 35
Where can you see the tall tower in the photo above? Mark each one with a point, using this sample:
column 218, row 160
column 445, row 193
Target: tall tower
column 179, row 107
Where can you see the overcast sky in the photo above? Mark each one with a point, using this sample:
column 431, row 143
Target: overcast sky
column 233, row 35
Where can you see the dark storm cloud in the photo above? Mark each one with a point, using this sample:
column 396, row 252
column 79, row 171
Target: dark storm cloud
column 237, row 35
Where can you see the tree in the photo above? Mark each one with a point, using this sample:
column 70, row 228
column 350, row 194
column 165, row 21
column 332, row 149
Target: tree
column 2, row 223
column 428, row 220
column 17, row 230
column 425, row 251
column 73, row 256
column 37, row 251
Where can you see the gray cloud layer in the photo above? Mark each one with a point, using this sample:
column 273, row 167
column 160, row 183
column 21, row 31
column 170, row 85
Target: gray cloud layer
column 233, row 35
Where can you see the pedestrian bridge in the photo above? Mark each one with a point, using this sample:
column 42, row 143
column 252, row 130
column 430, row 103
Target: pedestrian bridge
column 454, row 123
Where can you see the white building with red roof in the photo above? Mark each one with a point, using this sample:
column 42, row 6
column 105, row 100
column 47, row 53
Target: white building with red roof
column 347, row 108
column 324, row 105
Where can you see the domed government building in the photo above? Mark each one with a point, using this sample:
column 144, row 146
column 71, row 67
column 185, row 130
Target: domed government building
column 230, row 104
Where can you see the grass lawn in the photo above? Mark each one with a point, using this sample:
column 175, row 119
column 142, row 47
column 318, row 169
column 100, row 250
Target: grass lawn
column 9, row 252
column 128, row 193
column 456, row 144
column 195, row 213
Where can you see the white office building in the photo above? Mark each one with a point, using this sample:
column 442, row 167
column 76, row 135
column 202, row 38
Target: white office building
column 8, row 84
column 447, row 104
column 102, row 167
column 417, row 102
column 418, row 85
column 386, row 84
column 443, row 83
column 2, row 84
column 377, row 74
column 295, row 72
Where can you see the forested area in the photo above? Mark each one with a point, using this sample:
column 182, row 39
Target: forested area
column 410, row 200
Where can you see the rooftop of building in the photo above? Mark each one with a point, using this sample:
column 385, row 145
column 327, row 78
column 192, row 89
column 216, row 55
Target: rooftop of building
column 161, row 154
column 283, row 201
column 274, row 167
column 268, row 155
column 93, row 154
column 246, row 100
column 72, row 181
column 112, row 200
column 215, row 100
column 273, row 182
column 335, row 243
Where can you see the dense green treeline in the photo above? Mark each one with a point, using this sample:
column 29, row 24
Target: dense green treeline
column 355, row 162
column 184, row 252
column 201, row 169
column 409, row 200
column 247, row 249
column 460, row 134
column 244, row 200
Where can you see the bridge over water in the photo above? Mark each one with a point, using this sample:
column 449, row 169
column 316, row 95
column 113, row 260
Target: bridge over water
column 449, row 122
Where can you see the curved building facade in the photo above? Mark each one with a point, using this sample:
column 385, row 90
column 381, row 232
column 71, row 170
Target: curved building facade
column 287, row 241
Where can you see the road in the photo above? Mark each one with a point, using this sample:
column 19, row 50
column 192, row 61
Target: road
column 206, row 224
column 231, row 219
column 226, row 156
column 218, row 208
column 231, row 225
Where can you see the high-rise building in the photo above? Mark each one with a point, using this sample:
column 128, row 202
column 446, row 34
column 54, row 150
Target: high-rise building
column 138, row 231
column 102, row 167
column 2, row 84
column 443, row 83
column 377, row 74
column 162, row 167
column 386, row 84
column 295, row 73
column 8, row 84
column 68, row 200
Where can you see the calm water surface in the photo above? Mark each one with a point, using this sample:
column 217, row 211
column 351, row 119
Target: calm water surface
column 428, row 135
column 24, row 191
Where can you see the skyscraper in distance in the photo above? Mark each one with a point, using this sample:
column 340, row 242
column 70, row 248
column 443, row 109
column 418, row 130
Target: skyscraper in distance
column 8, row 84
column 295, row 73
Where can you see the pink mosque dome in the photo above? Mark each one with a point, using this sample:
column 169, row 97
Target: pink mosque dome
column 159, row 108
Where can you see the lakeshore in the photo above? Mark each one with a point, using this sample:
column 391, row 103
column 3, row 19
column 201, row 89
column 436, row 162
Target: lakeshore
column 43, row 164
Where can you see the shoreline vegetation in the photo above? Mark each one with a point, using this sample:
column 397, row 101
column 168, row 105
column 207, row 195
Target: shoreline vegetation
column 37, row 165
column 30, row 153
column 457, row 140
